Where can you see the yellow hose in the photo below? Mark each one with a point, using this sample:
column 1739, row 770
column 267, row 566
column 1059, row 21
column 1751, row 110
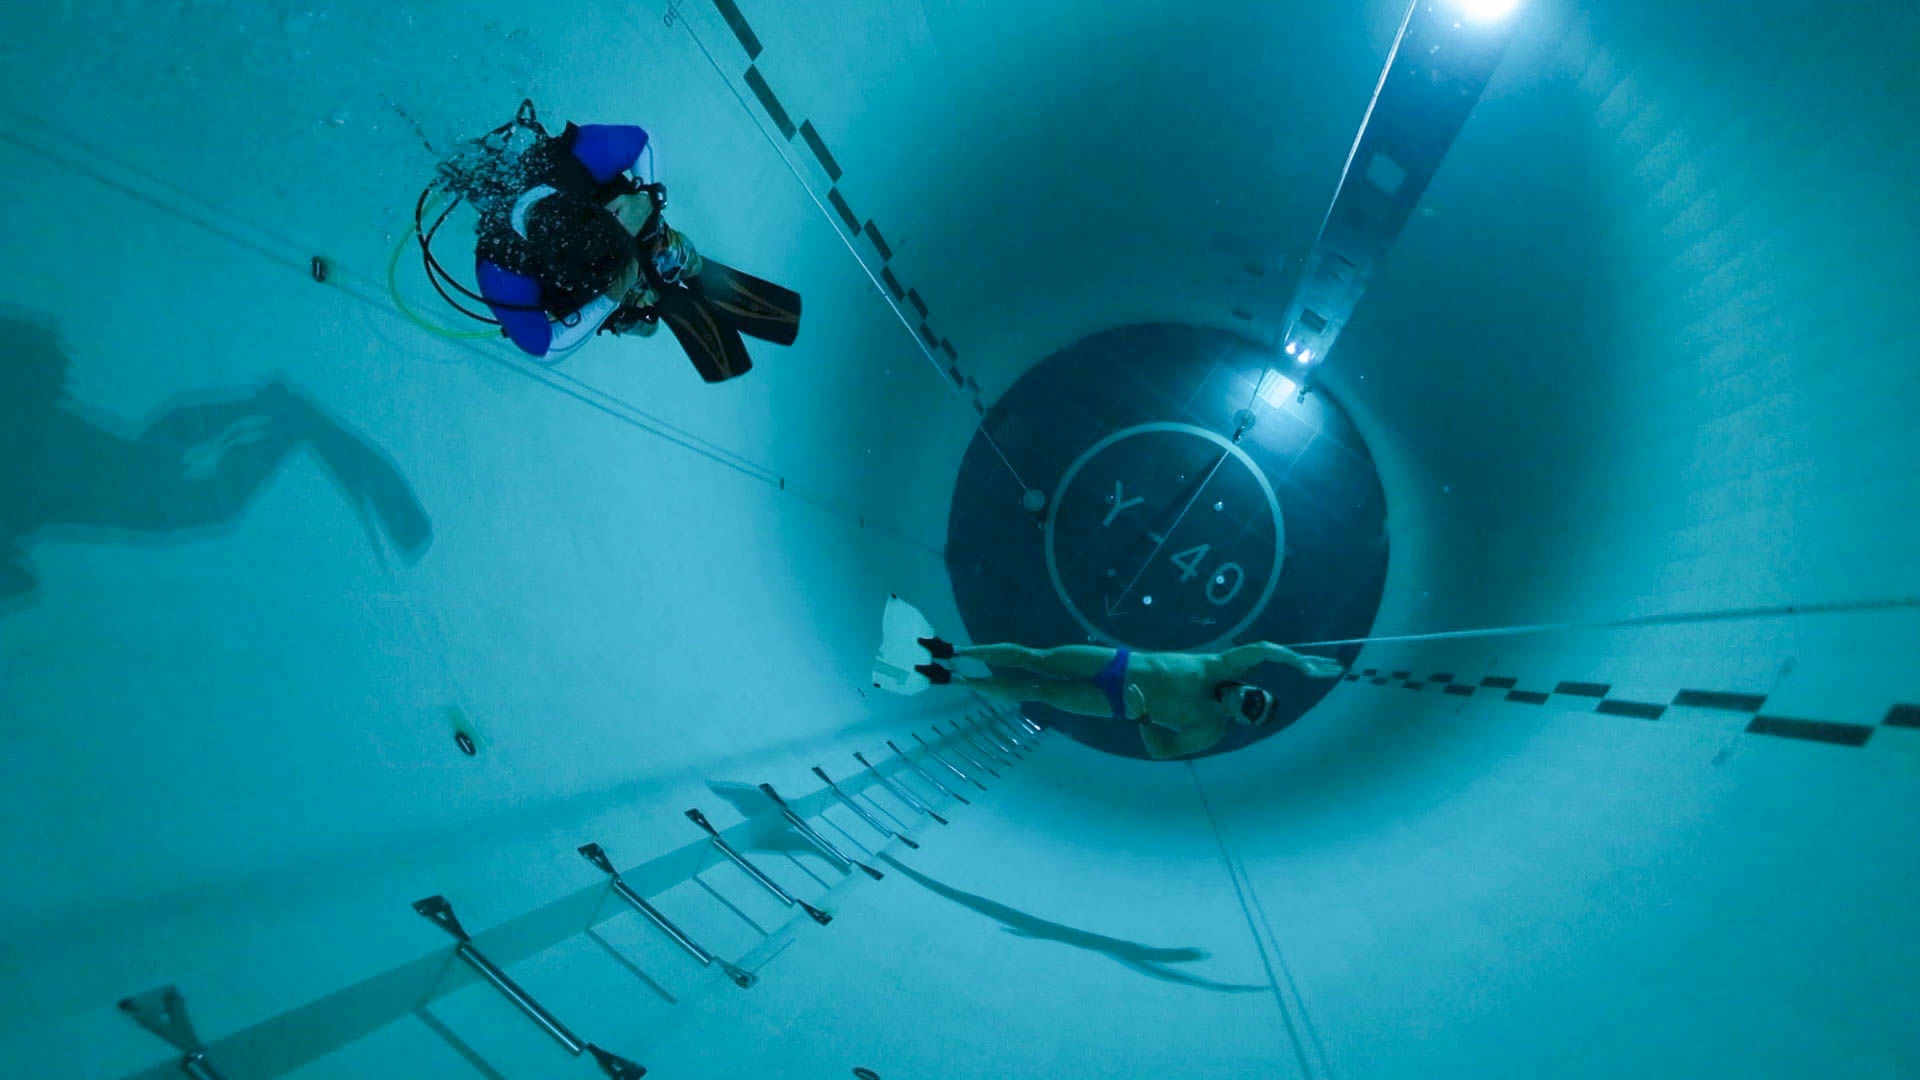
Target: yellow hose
column 393, row 289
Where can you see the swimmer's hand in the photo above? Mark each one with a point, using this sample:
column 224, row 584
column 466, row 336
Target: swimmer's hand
column 1317, row 667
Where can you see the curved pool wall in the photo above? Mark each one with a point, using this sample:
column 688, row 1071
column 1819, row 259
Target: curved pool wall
column 1636, row 383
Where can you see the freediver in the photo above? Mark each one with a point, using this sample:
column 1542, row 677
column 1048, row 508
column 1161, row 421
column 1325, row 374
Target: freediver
column 1182, row 703
column 569, row 244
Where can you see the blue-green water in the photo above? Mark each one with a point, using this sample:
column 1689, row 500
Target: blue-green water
column 267, row 548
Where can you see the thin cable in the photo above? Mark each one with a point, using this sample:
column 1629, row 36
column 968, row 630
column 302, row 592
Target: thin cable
column 886, row 297
column 1778, row 611
column 1353, row 151
column 1286, row 969
column 1177, row 519
column 342, row 279
column 1260, row 943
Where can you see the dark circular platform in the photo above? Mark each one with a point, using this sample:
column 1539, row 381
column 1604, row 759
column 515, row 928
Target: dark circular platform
column 1161, row 531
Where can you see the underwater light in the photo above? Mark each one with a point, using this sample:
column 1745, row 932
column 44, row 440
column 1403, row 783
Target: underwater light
column 1306, row 355
column 1292, row 347
column 1486, row 10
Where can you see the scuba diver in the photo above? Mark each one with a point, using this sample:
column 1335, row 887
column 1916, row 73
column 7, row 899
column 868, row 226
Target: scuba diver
column 1181, row 702
column 570, row 245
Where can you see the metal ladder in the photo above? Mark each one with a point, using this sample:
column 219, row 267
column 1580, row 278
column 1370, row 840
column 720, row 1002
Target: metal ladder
column 986, row 743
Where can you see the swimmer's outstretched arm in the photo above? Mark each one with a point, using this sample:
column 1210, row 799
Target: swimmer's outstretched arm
column 1245, row 658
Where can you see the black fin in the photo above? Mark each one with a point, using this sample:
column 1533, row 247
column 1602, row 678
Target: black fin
column 711, row 343
column 755, row 307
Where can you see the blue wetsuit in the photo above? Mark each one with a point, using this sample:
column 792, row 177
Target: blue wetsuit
column 1112, row 682
column 607, row 150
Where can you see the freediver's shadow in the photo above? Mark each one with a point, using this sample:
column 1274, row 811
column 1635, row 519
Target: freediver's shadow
column 71, row 472
column 1144, row 959
column 1147, row 960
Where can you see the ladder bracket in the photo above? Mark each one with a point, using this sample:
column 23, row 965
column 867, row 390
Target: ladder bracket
column 597, row 855
column 439, row 912
column 614, row 1065
column 164, row 1012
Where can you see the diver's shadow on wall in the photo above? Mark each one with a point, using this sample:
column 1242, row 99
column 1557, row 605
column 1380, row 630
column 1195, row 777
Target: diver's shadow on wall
column 188, row 472
column 749, row 801
column 1144, row 959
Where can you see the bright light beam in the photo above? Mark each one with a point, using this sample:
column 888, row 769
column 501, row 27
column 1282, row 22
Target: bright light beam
column 1486, row 10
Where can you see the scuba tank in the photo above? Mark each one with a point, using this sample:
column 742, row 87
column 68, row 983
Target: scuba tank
column 503, row 175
